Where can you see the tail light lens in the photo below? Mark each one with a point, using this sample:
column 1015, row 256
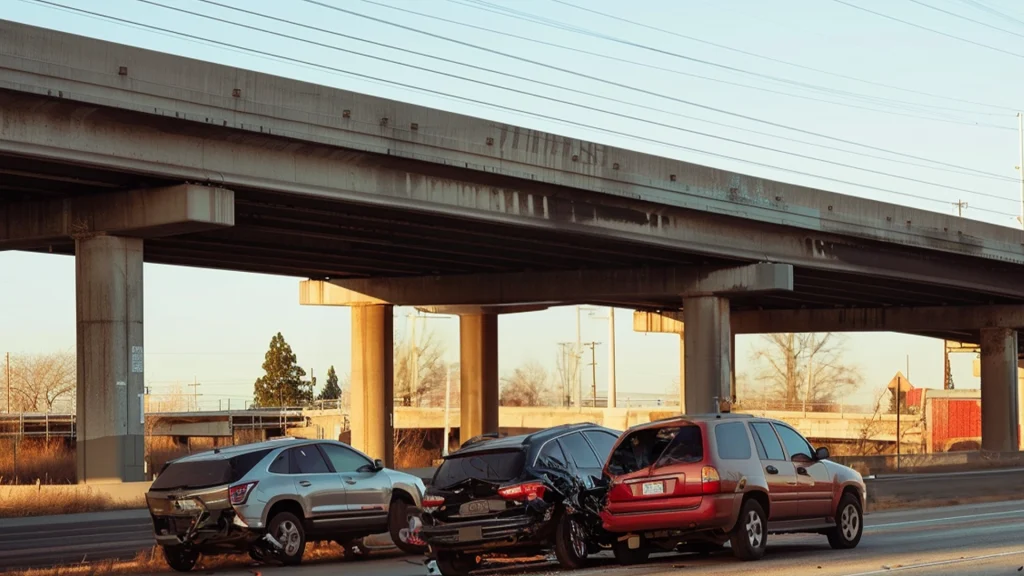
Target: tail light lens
column 710, row 482
column 433, row 501
column 527, row 491
column 239, row 494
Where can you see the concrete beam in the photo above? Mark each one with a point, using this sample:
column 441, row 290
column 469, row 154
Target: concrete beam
column 143, row 213
column 533, row 287
column 922, row 319
column 473, row 310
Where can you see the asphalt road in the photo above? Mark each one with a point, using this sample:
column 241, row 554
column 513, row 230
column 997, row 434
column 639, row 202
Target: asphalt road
column 980, row 540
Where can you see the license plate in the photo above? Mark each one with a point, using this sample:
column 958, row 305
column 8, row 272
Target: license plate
column 470, row 534
column 186, row 505
column 653, row 488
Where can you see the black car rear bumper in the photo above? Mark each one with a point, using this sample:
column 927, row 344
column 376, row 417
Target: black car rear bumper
column 485, row 535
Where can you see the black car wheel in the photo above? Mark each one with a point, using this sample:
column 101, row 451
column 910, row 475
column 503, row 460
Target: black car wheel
column 849, row 524
column 570, row 543
column 180, row 559
column 750, row 535
column 627, row 556
column 454, row 564
column 288, row 531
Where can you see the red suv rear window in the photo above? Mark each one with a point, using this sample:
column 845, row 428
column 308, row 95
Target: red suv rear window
column 664, row 446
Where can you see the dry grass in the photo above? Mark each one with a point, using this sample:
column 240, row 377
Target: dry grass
column 886, row 504
column 23, row 501
column 48, row 461
column 152, row 562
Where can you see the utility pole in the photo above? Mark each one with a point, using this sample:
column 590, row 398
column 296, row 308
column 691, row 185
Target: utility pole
column 1020, row 167
column 578, row 384
column 195, row 392
column 569, row 368
column 960, row 205
column 593, row 371
column 611, row 358
column 7, row 364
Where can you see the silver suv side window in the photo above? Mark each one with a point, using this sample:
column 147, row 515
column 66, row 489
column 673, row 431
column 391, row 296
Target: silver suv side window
column 308, row 460
column 282, row 464
column 343, row 459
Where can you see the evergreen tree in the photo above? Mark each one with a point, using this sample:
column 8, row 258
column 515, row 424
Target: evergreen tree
column 282, row 385
column 331, row 391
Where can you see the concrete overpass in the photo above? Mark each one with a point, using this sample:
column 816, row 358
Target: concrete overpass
column 121, row 155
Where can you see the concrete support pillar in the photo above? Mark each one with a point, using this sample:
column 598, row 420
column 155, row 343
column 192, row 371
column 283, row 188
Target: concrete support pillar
column 111, row 383
column 478, row 345
column 999, row 419
column 682, row 370
column 373, row 381
column 707, row 354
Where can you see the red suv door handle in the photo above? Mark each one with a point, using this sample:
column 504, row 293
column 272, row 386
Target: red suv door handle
column 772, row 470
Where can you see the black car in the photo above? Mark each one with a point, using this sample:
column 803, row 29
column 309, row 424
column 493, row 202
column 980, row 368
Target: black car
column 517, row 495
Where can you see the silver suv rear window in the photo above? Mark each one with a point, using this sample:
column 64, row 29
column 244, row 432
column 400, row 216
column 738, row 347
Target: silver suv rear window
column 206, row 473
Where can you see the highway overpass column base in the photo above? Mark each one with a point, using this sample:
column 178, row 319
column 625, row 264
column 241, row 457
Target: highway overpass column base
column 108, row 296
column 373, row 390
column 478, row 347
column 707, row 343
column 999, row 418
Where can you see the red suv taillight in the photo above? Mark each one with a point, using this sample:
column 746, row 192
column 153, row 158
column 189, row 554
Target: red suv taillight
column 710, row 482
column 239, row 494
column 527, row 491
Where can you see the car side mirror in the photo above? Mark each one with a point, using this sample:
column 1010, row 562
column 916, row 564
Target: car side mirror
column 378, row 465
column 821, row 453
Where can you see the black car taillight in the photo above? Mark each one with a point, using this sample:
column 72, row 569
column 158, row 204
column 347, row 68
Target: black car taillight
column 239, row 494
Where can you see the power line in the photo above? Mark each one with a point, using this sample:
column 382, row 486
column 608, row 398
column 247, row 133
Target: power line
column 955, row 15
column 914, row 106
column 956, row 168
column 659, row 95
column 784, row 62
column 992, row 11
column 531, row 94
column 939, row 32
column 502, row 107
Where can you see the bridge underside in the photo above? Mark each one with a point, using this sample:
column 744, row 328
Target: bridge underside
column 369, row 225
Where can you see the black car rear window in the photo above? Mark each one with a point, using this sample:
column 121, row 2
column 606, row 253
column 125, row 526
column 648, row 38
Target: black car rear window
column 487, row 466
column 205, row 473
column 641, row 449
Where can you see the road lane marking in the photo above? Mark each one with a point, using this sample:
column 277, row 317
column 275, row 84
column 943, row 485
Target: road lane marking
column 938, row 563
column 946, row 519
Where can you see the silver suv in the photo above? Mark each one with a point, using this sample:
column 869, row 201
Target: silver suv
column 269, row 499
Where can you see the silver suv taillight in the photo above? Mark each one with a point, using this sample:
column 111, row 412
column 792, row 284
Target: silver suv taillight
column 239, row 494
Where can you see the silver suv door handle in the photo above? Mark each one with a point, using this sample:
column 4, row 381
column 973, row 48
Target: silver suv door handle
column 349, row 481
column 305, row 483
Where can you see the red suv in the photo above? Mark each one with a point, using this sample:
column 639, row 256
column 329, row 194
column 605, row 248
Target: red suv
column 692, row 483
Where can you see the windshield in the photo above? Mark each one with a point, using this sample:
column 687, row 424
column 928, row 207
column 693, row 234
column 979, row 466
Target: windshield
column 206, row 473
column 496, row 467
column 641, row 449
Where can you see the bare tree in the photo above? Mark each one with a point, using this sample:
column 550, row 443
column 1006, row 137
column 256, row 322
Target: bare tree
column 527, row 386
column 423, row 362
column 44, row 382
column 805, row 367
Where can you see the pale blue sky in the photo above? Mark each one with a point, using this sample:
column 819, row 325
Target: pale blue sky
column 215, row 326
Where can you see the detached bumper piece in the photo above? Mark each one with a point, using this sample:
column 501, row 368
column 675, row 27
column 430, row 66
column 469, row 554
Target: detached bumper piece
column 215, row 530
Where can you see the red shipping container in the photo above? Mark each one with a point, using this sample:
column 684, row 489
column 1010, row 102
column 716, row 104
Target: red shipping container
column 953, row 423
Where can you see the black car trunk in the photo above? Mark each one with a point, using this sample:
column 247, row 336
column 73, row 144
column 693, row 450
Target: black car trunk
column 470, row 482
